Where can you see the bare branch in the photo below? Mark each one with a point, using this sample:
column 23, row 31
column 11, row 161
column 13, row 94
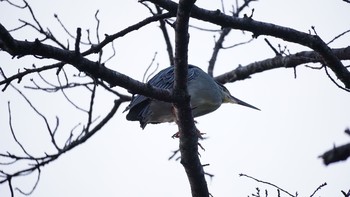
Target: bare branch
column 68, row 33
column 346, row 194
column 333, row 80
column 110, row 38
column 187, row 129
column 22, row 48
column 91, row 107
column 34, row 186
column 77, row 41
column 225, row 32
column 13, row 133
column 318, row 188
column 15, row 5
column 336, row 154
column 260, row 28
column 238, row 44
column 144, row 78
column 267, row 183
column 338, row 36
column 166, row 38
column 277, row 53
column 41, row 161
column 217, row 47
column 289, row 61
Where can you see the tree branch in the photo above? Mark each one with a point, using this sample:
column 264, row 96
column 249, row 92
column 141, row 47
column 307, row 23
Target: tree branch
column 336, row 154
column 98, row 71
column 289, row 61
column 110, row 38
column 187, row 129
column 260, row 28
column 224, row 32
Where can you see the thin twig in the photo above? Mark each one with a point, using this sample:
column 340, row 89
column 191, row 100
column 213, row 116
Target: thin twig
column 13, row 132
column 37, row 112
column 34, row 187
column 68, row 99
column 110, row 38
column 267, row 183
column 331, row 78
column 98, row 36
column 166, row 38
column 144, row 78
column 20, row 75
column 277, row 53
column 68, row 33
column 338, row 36
column 318, row 188
column 92, row 98
column 113, row 54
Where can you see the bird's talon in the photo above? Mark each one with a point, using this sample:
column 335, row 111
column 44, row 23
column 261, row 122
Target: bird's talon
column 176, row 135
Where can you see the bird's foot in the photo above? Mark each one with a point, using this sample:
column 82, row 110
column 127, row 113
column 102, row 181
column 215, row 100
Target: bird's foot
column 176, row 135
column 199, row 134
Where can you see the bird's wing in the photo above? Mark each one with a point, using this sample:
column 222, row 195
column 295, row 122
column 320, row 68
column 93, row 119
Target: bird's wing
column 165, row 80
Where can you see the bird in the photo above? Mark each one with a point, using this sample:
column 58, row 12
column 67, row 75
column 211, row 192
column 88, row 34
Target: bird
column 206, row 95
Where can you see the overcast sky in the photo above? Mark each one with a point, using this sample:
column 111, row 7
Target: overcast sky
column 299, row 119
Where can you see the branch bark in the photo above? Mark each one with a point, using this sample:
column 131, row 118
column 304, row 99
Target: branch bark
column 187, row 129
column 290, row 61
column 98, row 71
column 336, row 154
column 261, row 28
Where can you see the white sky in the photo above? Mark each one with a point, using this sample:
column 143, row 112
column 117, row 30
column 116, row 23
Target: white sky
column 300, row 118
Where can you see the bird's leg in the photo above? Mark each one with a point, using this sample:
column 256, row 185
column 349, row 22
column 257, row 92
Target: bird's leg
column 199, row 134
column 177, row 134
column 173, row 111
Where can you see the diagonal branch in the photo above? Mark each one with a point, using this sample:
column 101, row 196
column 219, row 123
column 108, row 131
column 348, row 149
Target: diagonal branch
column 110, row 38
column 98, row 71
column 336, row 154
column 20, row 75
column 261, row 28
column 289, row 61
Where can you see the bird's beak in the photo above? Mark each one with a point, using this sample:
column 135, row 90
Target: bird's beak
column 239, row 102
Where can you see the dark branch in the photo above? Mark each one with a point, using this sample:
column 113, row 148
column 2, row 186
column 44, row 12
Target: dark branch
column 110, row 38
column 290, row 61
column 336, row 154
column 268, row 183
column 114, row 78
column 260, row 28
column 187, row 130
column 169, row 47
column 217, row 47
column 224, row 32
column 20, row 75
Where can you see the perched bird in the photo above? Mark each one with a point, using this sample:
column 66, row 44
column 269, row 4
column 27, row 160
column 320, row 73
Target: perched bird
column 207, row 95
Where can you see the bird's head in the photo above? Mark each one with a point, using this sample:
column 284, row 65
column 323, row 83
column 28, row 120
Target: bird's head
column 228, row 98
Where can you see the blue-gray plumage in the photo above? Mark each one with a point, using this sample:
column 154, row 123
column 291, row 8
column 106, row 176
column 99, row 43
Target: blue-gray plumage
column 207, row 95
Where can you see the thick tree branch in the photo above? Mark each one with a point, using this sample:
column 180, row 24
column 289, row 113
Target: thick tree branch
column 96, row 70
column 187, row 129
column 289, row 61
column 261, row 28
column 336, row 154
column 340, row 153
